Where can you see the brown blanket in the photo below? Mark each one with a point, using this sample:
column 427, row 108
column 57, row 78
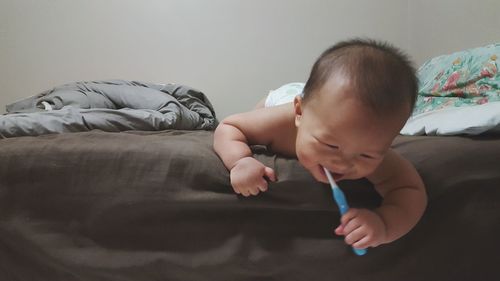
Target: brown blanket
column 159, row 206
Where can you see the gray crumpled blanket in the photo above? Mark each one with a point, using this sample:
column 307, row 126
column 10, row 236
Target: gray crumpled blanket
column 112, row 106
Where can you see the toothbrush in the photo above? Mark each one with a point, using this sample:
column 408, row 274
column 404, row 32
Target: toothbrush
column 339, row 198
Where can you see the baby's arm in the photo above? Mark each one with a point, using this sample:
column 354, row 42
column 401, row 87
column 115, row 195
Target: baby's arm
column 233, row 137
column 404, row 202
column 403, row 192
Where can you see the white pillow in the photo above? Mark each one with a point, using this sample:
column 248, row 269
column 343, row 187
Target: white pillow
column 471, row 120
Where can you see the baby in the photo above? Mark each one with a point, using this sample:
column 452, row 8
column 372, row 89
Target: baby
column 357, row 98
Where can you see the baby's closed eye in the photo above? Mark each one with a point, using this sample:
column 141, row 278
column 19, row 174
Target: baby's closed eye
column 333, row 146
column 367, row 156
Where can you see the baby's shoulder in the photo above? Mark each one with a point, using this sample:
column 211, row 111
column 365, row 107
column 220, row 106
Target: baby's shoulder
column 391, row 163
column 282, row 113
column 280, row 116
column 266, row 126
column 393, row 172
column 281, row 129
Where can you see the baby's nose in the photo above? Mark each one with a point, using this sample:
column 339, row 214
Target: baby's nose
column 344, row 168
column 342, row 165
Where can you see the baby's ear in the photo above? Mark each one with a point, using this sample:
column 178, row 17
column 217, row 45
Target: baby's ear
column 297, row 105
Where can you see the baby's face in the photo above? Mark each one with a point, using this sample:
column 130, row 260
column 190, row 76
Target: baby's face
column 336, row 131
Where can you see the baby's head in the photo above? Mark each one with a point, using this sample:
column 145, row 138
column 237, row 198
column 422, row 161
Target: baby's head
column 378, row 74
column 357, row 98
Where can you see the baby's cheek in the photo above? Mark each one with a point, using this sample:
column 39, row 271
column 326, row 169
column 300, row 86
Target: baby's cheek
column 310, row 156
column 307, row 162
column 303, row 158
column 368, row 169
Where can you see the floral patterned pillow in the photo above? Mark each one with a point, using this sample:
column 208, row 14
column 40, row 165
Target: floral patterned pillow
column 460, row 79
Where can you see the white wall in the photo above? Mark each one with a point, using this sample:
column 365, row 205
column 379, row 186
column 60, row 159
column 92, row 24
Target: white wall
column 444, row 26
column 233, row 50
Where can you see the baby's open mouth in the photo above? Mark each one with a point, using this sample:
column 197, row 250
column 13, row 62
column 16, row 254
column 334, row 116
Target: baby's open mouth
column 336, row 176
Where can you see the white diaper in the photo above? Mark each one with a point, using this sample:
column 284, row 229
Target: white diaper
column 284, row 94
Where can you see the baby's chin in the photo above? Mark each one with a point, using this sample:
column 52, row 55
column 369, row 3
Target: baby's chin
column 321, row 179
column 318, row 173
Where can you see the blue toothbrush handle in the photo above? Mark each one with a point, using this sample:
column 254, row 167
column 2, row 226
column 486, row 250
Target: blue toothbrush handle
column 339, row 198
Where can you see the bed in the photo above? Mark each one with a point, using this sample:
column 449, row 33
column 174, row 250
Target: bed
column 158, row 206
column 117, row 193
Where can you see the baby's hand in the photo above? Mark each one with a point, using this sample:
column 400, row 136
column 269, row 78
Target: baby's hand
column 362, row 228
column 247, row 176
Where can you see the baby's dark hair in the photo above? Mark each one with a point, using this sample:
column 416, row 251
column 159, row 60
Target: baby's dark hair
column 381, row 75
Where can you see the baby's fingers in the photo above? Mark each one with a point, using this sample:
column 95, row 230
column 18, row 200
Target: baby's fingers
column 269, row 173
column 363, row 243
column 256, row 188
column 351, row 226
column 355, row 236
column 244, row 190
column 339, row 230
column 262, row 185
column 251, row 188
column 351, row 214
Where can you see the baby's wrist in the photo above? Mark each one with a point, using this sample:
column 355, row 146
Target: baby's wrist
column 384, row 229
column 394, row 221
column 239, row 161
